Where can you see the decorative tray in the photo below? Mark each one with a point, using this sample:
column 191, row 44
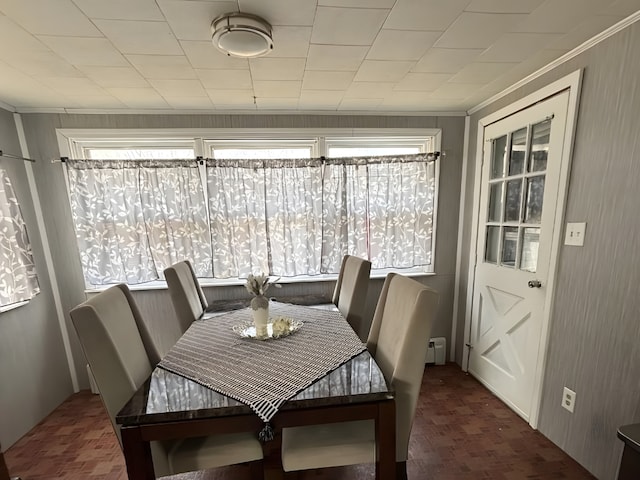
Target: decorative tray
column 276, row 328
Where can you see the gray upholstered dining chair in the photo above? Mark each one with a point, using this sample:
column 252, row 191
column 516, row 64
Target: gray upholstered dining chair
column 350, row 294
column 107, row 326
column 187, row 296
column 398, row 341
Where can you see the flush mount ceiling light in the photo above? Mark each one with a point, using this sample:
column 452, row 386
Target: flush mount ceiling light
column 241, row 35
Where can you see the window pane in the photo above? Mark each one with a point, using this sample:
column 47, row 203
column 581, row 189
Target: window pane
column 498, row 153
column 337, row 152
column 227, row 153
column 493, row 243
column 512, row 210
column 535, row 194
column 139, row 153
column 530, row 243
column 518, row 151
column 495, row 202
column 540, row 146
column 509, row 246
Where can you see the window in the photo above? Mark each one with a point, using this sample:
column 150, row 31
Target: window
column 18, row 279
column 273, row 205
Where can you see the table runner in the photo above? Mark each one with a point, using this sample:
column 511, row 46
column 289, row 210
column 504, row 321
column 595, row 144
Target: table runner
column 263, row 373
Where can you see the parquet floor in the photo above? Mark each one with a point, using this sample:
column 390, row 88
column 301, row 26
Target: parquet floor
column 461, row 432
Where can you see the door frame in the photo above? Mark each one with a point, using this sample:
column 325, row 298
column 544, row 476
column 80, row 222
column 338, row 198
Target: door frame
column 572, row 83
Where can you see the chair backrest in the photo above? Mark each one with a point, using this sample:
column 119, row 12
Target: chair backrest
column 187, row 297
column 398, row 341
column 350, row 294
column 107, row 326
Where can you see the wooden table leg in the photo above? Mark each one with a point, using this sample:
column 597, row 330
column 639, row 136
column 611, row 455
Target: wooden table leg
column 386, row 440
column 137, row 455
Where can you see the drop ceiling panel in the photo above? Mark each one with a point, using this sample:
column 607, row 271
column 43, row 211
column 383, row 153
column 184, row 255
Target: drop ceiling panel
column 335, row 57
column 139, row 97
column 401, row 44
column 138, row 37
column 121, row 9
column 98, row 101
column 478, row 30
column 231, row 97
column 13, row 38
column 621, row 7
column 320, row 80
column 446, row 60
column 191, row 20
column 114, row 76
column 275, row 103
column 560, row 17
column 168, row 67
column 279, row 89
column 178, row 88
column 320, row 99
column 347, row 26
column 369, row 90
column 512, row 47
column 18, row 87
column 357, row 3
column 204, row 55
column 41, row 64
column 382, row 71
column 282, row 12
column 456, row 90
column 435, row 15
column 290, row 42
column 225, row 79
column 584, row 31
column 426, row 82
column 49, row 17
column 359, row 104
column 85, row 50
column 73, row 86
column 189, row 103
column 277, row 68
column 503, row 6
column 481, row 72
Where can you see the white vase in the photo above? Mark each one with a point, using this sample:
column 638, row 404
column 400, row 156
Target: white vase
column 260, row 309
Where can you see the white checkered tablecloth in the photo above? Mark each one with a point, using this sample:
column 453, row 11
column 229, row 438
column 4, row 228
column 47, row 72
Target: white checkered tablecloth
column 263, row 373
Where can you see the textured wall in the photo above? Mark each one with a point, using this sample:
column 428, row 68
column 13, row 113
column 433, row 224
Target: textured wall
column 34, row 374
column 41, row 138
column 595, row 323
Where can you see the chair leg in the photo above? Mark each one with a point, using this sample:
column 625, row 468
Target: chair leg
column 256, row 470
column 401, row 470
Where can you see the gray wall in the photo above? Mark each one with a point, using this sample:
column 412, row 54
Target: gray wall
column 42, row 142
column 34, row 374
column 595, row 322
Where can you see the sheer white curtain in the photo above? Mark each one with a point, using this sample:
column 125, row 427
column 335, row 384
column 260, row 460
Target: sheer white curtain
column 18, row 279
column 134, row 218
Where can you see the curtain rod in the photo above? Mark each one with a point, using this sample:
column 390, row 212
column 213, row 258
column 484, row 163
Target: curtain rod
column 8, row 155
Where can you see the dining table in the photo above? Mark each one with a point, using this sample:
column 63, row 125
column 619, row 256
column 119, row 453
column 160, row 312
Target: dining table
column 218, row 380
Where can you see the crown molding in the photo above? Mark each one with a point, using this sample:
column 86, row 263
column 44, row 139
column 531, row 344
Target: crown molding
column 7, row 107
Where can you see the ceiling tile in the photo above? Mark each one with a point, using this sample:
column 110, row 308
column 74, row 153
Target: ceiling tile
column 163, row 66
column 205, row 55
column 225, row 79
column 335, row 57
column 277, row 68
column 481, row 72
column 347, row 26
column 139, row 97
column 97, row 101
column 231, row 97
column 40, row 64
column 446, row 60
column 280, row 89
column 517, row 47
column 13, row 38
column 266, row 103
column 151, row 38
column 357, row 3
column 290, row 41
column 178, row 88
column 434, row 15
column 320, row 80
column 120, row 9
column 583, row 32
column 320, row 99
column 192, row 20
column 85, row 50
column 401, row 44
column 73, row 86
column 456, row 90
column 478, row 30
column 188, row 103
column 114, row 76
column 558, row 17
column 382, row 71
column 425, row 82
column 19, row 89
column 369, row 90
column 281, row 12
column 359, row 104
column 503, row 6
column 50, row 17
column 621, row 7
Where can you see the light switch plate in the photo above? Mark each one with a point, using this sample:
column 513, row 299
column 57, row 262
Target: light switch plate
column 574, row 234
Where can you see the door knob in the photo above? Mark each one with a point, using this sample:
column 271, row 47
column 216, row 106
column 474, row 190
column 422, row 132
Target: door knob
column 534, row 284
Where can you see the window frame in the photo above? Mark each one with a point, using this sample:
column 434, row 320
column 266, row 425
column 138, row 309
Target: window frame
column 74, row 142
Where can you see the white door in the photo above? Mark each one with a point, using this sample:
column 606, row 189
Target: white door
column 518, row 196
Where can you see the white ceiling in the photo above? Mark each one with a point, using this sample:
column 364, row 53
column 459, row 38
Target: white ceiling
column 329, row 55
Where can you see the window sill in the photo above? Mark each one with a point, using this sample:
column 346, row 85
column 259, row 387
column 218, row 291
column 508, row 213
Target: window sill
column 6, row 308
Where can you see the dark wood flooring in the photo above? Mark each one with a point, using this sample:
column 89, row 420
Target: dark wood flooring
column 461, row 432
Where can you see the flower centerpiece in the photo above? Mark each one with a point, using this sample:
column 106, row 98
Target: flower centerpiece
column 258, row 285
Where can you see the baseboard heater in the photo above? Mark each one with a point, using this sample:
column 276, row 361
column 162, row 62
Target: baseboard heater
column 436, row 352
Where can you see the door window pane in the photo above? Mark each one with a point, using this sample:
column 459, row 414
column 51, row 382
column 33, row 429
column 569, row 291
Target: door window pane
column 509, row 246
column 492, row 245
column 518, row 151
column 512, row 210
column 499, row 151
column 539, row 146
column 495, row 202
column 535, row 194
column 529, row 255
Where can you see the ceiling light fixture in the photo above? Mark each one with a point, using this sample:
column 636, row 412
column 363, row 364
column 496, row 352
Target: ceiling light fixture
column 242, row 35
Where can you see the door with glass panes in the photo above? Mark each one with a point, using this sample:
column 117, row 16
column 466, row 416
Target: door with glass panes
column 519, row 188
